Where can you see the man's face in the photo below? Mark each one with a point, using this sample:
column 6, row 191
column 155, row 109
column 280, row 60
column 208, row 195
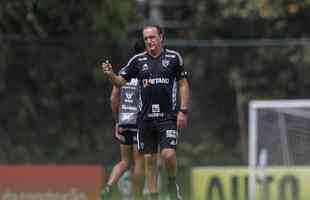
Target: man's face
column 152, row 39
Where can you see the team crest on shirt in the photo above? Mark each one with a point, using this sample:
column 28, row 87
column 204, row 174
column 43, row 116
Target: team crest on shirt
column 129, row 98
column 145, row 67
column 165, row 62
column 129, row 95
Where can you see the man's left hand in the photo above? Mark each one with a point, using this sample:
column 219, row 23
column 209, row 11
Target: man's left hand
column 181, row 120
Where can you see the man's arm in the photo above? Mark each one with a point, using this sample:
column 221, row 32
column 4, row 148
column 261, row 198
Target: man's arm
column 184, row 93
column 117, row 80
column 184, row 98
column 115, row 99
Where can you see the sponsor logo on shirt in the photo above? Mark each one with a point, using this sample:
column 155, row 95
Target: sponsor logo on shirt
column 153, row 115
column 142, row 59
column 170, row 56
column 155, row 81
column 129, row 87
column 127, row 116
column 133, row 82
column 132, row 108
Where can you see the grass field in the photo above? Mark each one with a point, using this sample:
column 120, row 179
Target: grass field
column 183, row 180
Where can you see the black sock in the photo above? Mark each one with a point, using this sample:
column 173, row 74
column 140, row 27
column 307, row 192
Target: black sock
column 172, row 189
column 154, row 196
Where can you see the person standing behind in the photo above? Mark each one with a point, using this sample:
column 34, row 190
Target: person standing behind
column 124, row 105
column 157, row 69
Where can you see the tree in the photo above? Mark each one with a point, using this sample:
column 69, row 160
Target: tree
column 60, row 18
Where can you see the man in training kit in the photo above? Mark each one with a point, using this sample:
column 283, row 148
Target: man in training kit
column 124, row 105
column 158, row 70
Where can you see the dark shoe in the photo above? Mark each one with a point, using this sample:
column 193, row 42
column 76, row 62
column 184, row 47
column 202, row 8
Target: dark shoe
column 106, row 193
column 174, row 192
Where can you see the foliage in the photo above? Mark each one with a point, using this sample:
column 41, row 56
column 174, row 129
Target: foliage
column 55, row 101
column 59, row 18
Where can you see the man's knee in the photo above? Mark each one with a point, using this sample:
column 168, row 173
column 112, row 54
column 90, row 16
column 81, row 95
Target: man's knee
column 150, row 159
column 168, row 154
column 125, row 164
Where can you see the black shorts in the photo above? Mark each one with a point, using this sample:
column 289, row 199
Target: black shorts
column 128, row 136
column 157, row 133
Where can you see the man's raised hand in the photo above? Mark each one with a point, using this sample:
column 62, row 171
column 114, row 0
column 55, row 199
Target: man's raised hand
column 107, row 67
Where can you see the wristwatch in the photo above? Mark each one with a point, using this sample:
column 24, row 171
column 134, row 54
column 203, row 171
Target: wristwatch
column 184, row 111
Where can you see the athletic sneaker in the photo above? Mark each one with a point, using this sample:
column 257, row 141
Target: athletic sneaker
column 106, row 193
column 174, row 192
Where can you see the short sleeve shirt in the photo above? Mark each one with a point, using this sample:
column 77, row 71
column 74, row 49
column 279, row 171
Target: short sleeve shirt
column 129, row 104
column 157, row 80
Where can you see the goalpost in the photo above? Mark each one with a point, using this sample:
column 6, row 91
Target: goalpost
column 279, row 133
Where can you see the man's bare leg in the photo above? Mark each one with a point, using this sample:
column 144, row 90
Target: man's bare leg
column 151, row 173
column 170, row 159
column 137, row 174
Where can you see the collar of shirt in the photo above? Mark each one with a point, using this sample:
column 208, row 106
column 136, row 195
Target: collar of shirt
column 162, row 51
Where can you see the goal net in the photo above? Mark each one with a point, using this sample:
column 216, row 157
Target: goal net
column 279, row 134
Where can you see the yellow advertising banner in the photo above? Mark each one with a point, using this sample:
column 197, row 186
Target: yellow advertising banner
column 231, row 183
column 50, row 182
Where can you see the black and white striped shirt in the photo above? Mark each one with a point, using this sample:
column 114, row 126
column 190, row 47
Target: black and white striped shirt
column 157, row 79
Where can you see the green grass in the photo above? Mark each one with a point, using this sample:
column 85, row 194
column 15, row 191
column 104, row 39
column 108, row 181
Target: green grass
column 183, row 180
